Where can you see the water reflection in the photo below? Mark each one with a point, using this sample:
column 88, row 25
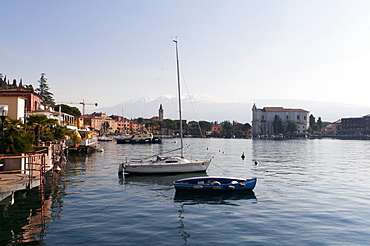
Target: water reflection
column 191, row 198
column 224, row 198
column 24, row 219
column 24, row 214
column 156, row 179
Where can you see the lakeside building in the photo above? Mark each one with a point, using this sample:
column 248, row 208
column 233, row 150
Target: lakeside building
column 24, row 101
column 103, row 123
column 333, row 128
column 33, row 100
column 16, row 106
column 263, row 118
column 356, row 125
column 217, row 128
column 120, row 125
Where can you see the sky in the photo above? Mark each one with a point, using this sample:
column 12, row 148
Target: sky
column 113, row 51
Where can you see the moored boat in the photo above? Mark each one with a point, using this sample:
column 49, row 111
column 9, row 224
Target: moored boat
column 168, row 164
column 105, row 139
column 139, row 138
column 212, row 184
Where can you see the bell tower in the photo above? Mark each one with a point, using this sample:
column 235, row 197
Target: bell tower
column 160, row 113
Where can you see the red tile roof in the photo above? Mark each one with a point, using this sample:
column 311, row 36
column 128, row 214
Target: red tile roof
column 281, row 109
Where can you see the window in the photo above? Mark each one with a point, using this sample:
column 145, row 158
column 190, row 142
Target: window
column 298, row 117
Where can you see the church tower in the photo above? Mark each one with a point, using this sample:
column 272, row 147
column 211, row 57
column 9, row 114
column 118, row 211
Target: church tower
column 160, row 113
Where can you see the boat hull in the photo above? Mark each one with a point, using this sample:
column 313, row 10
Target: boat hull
column 214, row 184
column 141, row 141
column 105, row 139
column 158, row 168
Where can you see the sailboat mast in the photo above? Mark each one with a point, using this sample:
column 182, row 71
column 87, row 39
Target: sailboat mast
column 179, row 92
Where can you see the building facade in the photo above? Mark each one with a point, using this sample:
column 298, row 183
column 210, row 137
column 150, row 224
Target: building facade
column 356, row 126
column 23, row 101
column 333, row 128
column 263, row 118
column 103, row 123
column 33, row 100
column 16, row 107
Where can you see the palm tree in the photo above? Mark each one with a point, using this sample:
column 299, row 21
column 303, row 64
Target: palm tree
column 17, row 139
column 60, row 132
column 38, row 122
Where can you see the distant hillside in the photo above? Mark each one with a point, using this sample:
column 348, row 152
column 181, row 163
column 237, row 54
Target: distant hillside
column 205, row 107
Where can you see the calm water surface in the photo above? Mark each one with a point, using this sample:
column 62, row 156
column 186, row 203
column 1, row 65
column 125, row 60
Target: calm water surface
column 309, row 192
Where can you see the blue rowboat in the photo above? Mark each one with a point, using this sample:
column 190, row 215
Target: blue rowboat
column 212, row 184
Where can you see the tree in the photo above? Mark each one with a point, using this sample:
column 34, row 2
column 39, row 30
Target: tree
column 227, row 128
column 194, row 128
column 76, row 137
column 59, row 132
column 140, row 122
column 168, row 124
column 246, row 127
column 17, row 140
column 38, row 122
column 205, row 126
column 319, row 123
column 152, row 126
column 292, row 127
column 43, row 90
column 312, row 120
column 278, row 125
column 68, row 110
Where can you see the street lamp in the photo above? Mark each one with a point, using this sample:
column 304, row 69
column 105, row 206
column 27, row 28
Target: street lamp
column 3, row 115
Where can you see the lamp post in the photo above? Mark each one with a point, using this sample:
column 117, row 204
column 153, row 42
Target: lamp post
column 3, row 115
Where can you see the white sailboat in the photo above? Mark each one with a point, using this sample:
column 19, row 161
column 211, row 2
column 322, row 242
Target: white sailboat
column 168, row 164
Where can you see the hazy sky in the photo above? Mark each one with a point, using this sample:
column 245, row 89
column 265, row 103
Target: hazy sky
column 112, row 51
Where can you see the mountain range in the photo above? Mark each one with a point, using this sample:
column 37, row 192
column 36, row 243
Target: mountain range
column 209, row 108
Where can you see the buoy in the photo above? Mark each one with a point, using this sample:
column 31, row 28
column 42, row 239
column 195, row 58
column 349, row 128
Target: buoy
column 243, row 156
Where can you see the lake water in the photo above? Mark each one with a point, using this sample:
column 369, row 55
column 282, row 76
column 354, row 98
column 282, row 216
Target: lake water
column 309, row 192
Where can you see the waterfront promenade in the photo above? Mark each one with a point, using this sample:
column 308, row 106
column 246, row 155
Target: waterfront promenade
column 10, row 183
column 21, row 172
column 28, row 171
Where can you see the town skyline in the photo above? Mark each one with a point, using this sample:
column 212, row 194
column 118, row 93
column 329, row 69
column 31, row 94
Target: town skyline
column 203, row 107
column 206, row 108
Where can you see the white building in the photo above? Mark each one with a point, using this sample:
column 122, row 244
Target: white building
column 262, row 119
